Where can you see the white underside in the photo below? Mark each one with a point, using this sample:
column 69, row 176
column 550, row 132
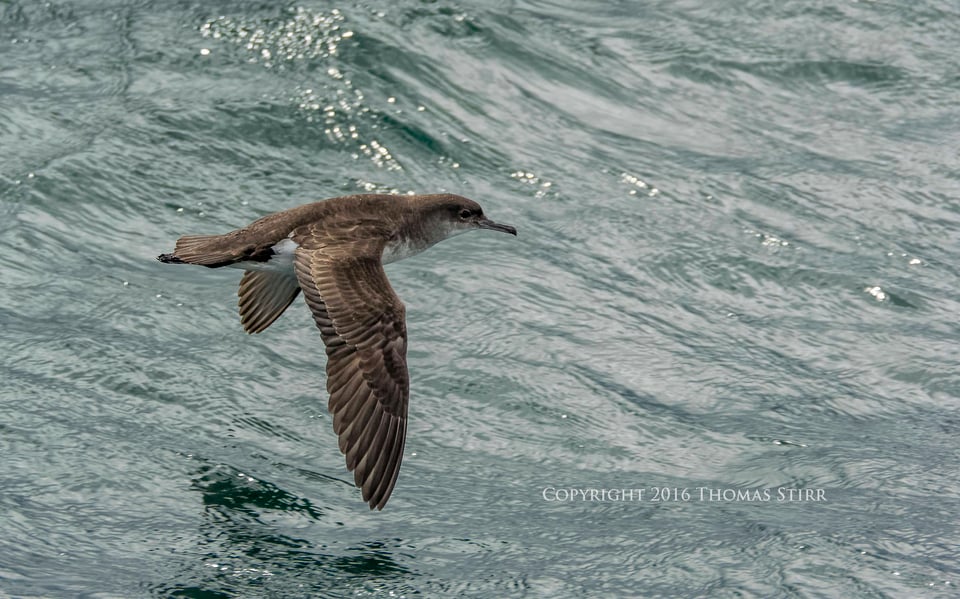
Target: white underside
column 398, row 251
column 284, row 252
column 281, row 262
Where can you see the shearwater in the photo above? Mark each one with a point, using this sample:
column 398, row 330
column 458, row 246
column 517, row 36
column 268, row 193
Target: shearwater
column 334, row 251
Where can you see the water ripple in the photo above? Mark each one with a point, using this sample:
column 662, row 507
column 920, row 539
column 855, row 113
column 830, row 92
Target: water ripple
column 735, row 271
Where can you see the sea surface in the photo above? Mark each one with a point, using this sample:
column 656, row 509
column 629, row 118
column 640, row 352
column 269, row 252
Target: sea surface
column 721, row 359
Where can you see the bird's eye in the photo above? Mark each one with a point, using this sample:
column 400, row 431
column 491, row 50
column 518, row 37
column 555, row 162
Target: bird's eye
column 465, row 214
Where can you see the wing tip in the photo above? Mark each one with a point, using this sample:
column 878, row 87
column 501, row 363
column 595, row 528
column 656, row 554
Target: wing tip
column 263, row 297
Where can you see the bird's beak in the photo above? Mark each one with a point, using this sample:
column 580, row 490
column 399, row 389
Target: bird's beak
column 489, row 224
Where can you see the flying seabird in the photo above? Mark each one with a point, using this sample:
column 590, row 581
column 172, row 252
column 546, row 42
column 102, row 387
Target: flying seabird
column 334, row 251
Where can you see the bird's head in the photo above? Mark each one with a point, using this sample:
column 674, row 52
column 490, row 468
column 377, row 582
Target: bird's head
column 453, row 214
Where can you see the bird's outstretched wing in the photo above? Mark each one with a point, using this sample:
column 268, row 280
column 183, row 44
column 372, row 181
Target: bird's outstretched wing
column 362, row 322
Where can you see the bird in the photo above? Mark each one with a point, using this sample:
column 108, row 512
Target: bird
column 334, row 251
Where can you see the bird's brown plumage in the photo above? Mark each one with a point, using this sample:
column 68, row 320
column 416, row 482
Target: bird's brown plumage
column 263, row 298
column 338, row 264
column 362, row 323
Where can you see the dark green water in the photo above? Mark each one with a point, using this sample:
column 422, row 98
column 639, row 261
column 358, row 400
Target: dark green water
column 736, row 270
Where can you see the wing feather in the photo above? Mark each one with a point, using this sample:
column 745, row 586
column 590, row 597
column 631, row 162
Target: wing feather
column 263, row 298
column 362, row 323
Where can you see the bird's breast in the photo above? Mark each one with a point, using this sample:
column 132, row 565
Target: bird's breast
column 399, row 248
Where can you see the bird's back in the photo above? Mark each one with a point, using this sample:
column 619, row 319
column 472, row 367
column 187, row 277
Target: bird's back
column 254, row 242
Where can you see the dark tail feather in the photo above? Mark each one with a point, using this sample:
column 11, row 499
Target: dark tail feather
column 170, row 259
column 206, row 250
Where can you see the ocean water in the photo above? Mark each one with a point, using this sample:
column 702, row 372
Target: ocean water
column 720, row 359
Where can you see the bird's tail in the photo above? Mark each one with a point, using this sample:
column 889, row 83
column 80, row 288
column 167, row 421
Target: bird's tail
column 205, row 250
